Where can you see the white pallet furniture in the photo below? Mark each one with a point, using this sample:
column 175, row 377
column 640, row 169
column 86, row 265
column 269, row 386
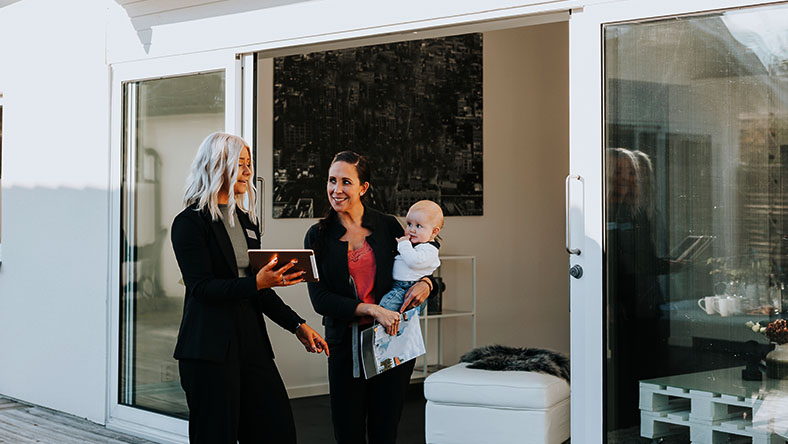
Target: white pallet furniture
column 716, row 406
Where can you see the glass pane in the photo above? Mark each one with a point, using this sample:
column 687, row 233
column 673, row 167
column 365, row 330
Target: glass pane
column 696, row 226
column 166, row 119
column 1, row 178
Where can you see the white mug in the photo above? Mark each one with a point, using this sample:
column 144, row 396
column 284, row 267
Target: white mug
column 735, row 304
column 727, row 306
column 707, row 304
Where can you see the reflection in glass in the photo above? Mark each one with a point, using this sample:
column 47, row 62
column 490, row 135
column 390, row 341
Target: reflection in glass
column 1, row 178
column 696, row 240
column 165, row 121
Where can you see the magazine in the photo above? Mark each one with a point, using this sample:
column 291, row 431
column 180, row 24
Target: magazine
column 381, row 351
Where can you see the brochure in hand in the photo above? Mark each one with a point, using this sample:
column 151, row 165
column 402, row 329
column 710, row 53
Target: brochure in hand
column 381, row 351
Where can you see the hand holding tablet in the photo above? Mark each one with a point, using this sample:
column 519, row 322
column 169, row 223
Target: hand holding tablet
column 305, row 262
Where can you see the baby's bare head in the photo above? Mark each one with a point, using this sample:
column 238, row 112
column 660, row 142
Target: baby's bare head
column 423, row 222
column 429, row 211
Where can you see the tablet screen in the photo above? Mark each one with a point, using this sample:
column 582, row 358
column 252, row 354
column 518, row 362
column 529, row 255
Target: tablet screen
column 306, row 261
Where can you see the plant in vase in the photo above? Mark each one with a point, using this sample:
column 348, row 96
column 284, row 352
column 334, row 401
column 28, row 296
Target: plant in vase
column 777, row 359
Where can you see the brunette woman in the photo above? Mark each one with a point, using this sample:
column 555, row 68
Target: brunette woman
column 355, row 247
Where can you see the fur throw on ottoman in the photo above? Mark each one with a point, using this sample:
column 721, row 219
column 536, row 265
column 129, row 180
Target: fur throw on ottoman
column 500, row 357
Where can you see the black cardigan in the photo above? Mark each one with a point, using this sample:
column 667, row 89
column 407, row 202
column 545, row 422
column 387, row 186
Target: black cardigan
column 213, row 289
column 334, row 296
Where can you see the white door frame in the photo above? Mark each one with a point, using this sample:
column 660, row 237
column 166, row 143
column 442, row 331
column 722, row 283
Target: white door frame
column 586, row 123
column 157, row 427
column 238, row 65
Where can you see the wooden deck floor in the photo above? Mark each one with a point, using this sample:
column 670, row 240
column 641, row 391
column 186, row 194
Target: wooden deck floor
column 24, row 424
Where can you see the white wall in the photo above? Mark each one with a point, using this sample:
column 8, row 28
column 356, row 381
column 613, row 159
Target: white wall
column 522, row 267
column 53, row 279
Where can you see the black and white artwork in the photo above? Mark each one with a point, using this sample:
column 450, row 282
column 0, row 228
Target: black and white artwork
column 413, row 108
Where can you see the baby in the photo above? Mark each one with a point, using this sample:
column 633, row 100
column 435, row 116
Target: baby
column 418, row 251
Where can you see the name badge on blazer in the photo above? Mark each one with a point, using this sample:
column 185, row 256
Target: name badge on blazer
column 251, row 234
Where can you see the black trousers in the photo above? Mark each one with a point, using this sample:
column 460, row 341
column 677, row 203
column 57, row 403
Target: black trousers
column 240, row 400
column 365, row 410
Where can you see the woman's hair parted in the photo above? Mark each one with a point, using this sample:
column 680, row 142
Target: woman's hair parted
column 215, row 165
column 360, row 162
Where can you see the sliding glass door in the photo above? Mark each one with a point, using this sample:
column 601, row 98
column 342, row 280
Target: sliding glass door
column 163, row 110
column 680, row 222
column 696, row 225
column 166, row 119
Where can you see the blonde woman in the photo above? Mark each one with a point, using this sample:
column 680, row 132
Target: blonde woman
column 233, row 388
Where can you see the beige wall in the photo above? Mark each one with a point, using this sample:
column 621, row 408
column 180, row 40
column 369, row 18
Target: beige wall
column 522, row 268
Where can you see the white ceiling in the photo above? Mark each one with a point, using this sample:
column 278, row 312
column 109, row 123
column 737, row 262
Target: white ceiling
column 145, row 14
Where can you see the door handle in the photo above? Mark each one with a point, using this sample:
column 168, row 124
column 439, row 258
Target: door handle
column 569, row 248
column 261, row 205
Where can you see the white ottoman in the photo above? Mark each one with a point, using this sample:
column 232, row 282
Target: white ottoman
column 469, row 406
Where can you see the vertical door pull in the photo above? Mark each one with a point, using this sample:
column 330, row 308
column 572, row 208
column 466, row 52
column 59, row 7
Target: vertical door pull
column 569, row 248
column 261, row 205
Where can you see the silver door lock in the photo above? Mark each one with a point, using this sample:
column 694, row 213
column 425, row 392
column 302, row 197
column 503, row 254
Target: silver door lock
column 576, row 271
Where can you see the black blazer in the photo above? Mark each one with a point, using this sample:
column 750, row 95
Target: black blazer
column 334, row 295
column 213, row 289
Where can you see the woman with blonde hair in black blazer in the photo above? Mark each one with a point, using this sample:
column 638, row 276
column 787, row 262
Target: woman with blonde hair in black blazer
column 226, row 362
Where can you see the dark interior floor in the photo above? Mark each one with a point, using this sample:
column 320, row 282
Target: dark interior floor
column 632, row 436
column 313, row 418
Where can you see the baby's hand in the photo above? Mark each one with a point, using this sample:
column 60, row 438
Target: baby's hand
column 403, row 238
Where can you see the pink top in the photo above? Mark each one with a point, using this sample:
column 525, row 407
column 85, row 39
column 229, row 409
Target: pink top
column 361, row 265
